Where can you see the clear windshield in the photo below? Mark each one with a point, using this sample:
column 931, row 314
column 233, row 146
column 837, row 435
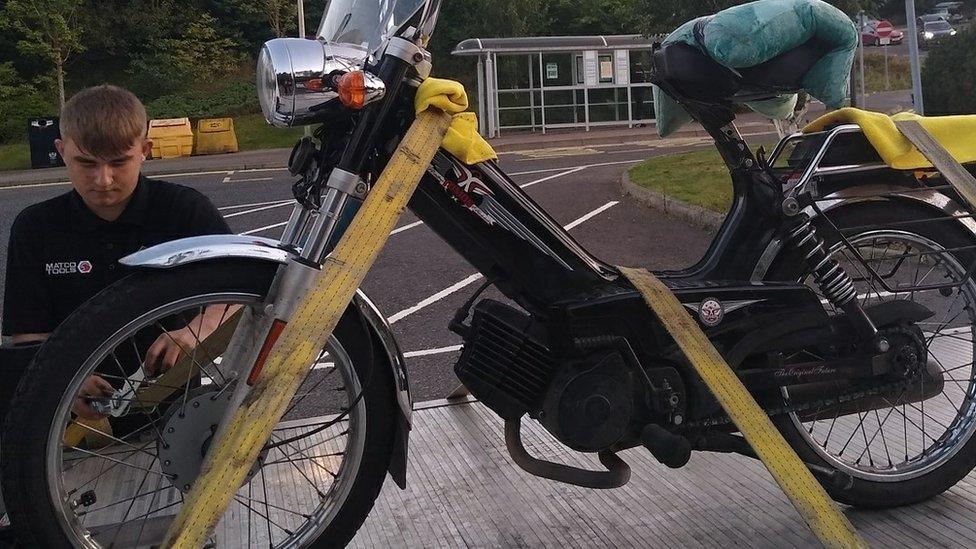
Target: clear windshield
column 937, row 26
column 365, row 23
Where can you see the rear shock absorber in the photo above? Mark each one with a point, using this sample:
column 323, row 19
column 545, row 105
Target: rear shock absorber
column 833, row 280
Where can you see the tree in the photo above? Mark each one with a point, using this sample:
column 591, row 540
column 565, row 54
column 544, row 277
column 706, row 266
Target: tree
column 49, row 30
column 660, row 16
column 948, row 76
column 282, row 15
column 198, row 57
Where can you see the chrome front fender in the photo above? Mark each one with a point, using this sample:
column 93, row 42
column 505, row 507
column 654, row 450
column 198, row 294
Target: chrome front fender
column 929, row 198
column 214, row 247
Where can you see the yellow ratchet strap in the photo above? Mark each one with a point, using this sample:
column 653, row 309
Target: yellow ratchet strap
column 824, row 518
column 303, row 337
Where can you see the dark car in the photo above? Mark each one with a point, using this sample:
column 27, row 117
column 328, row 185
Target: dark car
column 935, row 32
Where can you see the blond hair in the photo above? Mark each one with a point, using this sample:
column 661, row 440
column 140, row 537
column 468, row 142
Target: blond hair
column 104, row 121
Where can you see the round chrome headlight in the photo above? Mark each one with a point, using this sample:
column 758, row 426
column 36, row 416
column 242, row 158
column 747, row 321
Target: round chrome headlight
column 292, row 78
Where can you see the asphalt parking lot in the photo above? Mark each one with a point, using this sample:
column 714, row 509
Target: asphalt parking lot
column 418, row 281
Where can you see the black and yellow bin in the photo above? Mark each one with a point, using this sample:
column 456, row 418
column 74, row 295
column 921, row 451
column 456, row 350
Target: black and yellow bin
column 41, row 134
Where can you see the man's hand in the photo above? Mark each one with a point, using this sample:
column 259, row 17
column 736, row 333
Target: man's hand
column 169, row 346
column 166, row 350
column 93, row 387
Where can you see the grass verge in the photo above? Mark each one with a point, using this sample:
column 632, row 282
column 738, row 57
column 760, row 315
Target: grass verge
column 698, row 178
column 14, row 156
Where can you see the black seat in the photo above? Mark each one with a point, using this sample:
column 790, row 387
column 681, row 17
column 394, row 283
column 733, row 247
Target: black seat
column 696, row 76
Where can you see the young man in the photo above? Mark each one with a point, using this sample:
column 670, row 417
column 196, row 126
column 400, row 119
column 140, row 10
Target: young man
column 65, row 250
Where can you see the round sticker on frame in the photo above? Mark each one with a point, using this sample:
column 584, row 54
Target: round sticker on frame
column 711, row 311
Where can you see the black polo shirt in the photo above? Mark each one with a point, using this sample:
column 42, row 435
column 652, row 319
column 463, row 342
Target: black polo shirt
column 61, row 253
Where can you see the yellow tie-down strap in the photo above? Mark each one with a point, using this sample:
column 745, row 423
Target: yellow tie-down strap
column 304, row 336
column 825, row 519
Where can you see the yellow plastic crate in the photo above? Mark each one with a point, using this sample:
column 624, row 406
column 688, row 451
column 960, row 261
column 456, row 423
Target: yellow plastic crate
column 171, row 137
column 216, row 136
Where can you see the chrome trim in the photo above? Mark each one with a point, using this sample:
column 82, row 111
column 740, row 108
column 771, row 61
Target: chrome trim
column 852, row 195
column 811, row 169
column 346, row 182
column 404, row 49
column 374, row 86
column 202, row 248
column 850, row 168
column 285, row 68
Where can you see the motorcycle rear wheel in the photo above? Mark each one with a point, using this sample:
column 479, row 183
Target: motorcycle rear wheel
column 314, row 484
column 903, row 453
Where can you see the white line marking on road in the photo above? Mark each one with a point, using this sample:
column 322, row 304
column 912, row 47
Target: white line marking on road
column 252, row 210
column 30, row 185
column 478, row 276
column 591, row 215
column 554, row 176
column 229, row 180
column 406, row 227
column 267, row 228
column 192, row 174
column 252, row 204
column 437, row 351
column 435, row 298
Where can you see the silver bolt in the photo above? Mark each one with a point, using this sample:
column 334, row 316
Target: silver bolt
column 883, row 345
column 678, row 420
column 748, row 163
column 196, row 404
column 166, row 463
column 170, row 430
column 791, row 207
column 361, row 188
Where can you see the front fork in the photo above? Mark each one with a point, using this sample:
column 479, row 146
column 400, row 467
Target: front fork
column 310, row 233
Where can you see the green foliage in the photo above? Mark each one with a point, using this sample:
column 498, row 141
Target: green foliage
column 48, row 30
column 899, row 73
column 197, row 56
column 949, row 75
column 237, row 97
column 18, row 102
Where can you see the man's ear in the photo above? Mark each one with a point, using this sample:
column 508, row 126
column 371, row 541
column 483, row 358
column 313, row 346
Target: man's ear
column 147, row 148
column 59, row 145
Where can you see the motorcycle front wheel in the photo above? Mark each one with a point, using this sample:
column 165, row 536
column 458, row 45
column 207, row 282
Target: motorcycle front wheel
column 74, row 479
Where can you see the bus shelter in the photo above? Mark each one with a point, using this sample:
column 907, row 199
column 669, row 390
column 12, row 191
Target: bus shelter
column 549, row 82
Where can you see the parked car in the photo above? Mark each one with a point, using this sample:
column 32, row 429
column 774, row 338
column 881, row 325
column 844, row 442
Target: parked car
column 955, row 12
column 930, row 18
column 935, row 32
column 870, row 36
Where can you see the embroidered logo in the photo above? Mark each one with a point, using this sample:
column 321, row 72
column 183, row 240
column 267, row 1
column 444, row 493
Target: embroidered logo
column 68, row 267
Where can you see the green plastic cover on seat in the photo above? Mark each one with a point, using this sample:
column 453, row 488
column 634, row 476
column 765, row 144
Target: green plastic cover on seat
column 751, row 34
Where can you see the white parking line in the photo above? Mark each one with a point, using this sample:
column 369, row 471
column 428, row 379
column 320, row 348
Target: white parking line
column 478, row 276
column 252, row 204
column 406, row 227
column 229, row 180
column 267, row 228
column 437, row 351
column 252, row 210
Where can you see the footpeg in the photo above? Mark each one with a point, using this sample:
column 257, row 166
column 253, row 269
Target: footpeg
column 670, row 449
column 616, row 475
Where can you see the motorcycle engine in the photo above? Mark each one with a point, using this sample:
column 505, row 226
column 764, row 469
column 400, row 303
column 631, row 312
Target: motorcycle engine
column 590, row 406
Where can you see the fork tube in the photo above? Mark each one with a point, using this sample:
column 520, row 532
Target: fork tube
column 296, row 226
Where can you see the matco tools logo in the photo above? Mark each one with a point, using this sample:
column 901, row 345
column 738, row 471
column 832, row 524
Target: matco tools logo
column 68, row 267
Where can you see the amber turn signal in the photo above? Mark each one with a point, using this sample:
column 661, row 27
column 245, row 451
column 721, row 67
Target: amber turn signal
column 352, row 89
